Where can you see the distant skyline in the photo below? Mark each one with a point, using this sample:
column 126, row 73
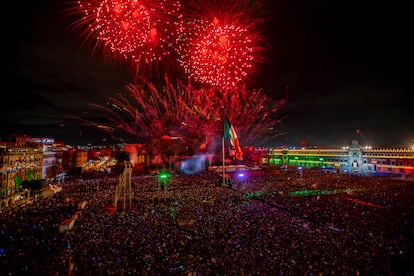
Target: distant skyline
column 343, row 67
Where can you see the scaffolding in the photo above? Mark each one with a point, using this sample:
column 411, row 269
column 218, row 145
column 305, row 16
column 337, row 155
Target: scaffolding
column 123, row 190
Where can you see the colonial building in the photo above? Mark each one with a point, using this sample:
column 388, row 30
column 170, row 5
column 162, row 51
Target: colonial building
column 23, row 158
column 353, row 159
column 17, row 164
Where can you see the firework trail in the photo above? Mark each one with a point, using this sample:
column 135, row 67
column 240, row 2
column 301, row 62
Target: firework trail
column 141, row 31
column 147, row 111
column 222, row 45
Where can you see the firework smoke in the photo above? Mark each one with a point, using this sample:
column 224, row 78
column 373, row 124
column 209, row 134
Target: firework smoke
column 195, row 115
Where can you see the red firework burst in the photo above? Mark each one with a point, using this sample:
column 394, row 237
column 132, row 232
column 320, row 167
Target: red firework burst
column 137, row 30
column 222, row 45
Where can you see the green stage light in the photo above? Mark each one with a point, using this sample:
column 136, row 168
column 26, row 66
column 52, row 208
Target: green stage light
column 164, row 176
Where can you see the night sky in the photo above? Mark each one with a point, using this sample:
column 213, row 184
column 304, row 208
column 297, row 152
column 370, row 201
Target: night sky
column 343, row 66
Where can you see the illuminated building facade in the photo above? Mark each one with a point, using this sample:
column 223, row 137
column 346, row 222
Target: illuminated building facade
column 17, row 164
column 352, row 159
column 23, row 158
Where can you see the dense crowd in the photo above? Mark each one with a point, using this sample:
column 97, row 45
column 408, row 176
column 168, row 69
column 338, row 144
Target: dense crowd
column 271, row 223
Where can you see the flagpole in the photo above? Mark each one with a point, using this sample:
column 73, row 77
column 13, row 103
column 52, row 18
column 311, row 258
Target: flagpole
column 222, row 145
column 222, row 140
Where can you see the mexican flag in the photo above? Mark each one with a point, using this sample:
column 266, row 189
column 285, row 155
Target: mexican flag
column 231, row 135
